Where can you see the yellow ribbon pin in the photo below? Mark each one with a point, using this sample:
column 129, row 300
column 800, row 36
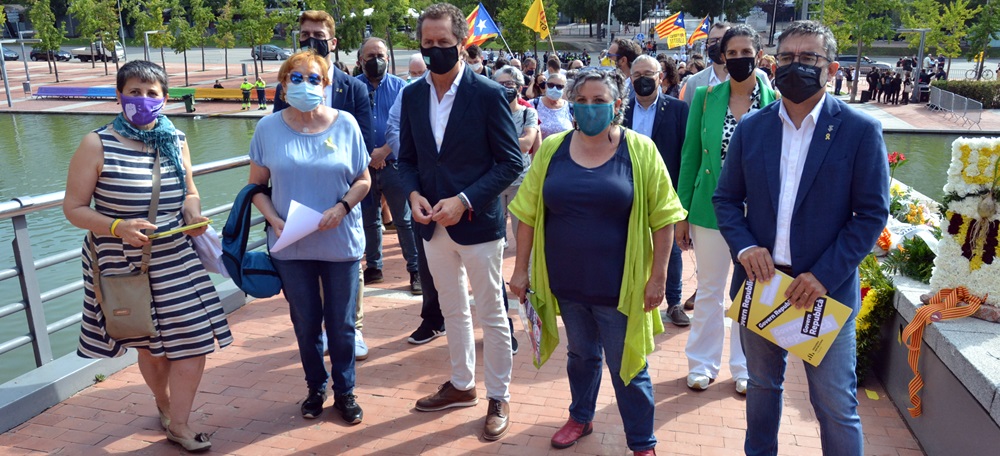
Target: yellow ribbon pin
column 827, row 136
column 329, row 143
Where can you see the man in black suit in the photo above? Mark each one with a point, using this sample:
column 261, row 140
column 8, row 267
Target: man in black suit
column 458, row 151
column 663, row 119
column 316, row 32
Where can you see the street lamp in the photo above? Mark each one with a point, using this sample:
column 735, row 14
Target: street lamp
column 3, row 73
column 20, row 34
column 121, row 31
column 608, row 31
column 145, row 47
column 920, row 60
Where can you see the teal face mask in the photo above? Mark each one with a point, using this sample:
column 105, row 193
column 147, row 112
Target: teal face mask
column 592, row 119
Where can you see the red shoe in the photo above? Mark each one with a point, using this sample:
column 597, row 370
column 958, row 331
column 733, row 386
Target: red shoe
column 570, row 433
column 649, row 452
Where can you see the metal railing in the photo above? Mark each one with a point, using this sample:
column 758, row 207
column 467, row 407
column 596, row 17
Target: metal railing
column 956, row 107
column 26, row 266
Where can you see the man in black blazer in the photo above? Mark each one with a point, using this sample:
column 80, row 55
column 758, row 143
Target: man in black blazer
column 662, row 118
column 458, row 151
column 316, row 31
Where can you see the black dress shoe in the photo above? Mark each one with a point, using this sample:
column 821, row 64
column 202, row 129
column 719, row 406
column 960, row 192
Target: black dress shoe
column 348, row 407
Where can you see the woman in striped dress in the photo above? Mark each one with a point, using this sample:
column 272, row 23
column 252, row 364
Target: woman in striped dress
column 114, row 167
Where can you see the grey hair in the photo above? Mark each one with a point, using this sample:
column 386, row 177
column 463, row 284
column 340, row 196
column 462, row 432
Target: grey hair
column 366, row 40
column 812, row 28
column 144, row 71
column 614, row 80
column 646, row 58
column 513, row 72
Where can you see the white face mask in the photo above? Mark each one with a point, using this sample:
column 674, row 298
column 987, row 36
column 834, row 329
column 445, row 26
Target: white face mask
column 304, row 96
column 553, row 93
column 476, row 67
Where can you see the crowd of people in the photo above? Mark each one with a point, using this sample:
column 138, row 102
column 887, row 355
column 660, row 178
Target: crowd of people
column 629, row 164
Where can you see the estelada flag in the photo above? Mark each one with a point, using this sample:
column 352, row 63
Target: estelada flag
column 701, row 33
column 670, row 25
column 481, row 26
column 535, row 19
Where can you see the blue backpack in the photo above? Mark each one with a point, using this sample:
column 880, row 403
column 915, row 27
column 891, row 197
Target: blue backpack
column 252, row 272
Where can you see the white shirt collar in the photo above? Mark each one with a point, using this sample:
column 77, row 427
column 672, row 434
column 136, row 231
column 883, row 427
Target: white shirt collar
column 713, row 79
column 814, row 114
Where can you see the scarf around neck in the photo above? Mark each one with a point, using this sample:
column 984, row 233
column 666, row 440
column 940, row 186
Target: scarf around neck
column 161, row 139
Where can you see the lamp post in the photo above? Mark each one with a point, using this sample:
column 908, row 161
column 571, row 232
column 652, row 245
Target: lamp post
column 20, row 35
column 145, row 48
column 610, row 2
column 915, row 96
column 3, row 74
column 121, row 31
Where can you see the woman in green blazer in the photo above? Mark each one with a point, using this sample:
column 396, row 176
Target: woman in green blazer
column 715, row 112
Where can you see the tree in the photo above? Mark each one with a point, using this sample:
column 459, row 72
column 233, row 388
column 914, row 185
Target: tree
column 733, row 9
column 148, row 17
column 203, row 17
column 947, row 24
column 184, row 36
column 98, row 22
column 859, row 22
column 44, row 21
column 510, row 18
column 986, row 29
column 591, row 11
column 628, row 12
column 256, row 27
column 225, row 29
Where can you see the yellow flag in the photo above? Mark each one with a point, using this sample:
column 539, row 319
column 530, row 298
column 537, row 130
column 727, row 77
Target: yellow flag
column 677, row 39
column 535, row 19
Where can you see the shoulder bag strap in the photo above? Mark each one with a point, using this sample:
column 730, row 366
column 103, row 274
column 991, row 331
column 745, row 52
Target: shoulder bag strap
column 95, row 272
column 154, row 203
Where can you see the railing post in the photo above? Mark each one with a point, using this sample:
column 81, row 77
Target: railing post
column 25, row 261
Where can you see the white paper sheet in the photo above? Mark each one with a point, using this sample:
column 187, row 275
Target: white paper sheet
column 301, row 222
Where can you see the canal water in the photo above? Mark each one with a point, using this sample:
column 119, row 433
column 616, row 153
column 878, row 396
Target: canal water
column 35, row 150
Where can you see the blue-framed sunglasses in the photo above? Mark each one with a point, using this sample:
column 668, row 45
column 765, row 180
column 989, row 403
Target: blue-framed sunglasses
column 297, row 78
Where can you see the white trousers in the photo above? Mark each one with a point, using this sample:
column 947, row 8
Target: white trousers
column 708, row 327
column 449, row 262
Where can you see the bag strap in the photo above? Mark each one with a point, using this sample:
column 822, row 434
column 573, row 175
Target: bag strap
column 154, row 203
column 94, row 270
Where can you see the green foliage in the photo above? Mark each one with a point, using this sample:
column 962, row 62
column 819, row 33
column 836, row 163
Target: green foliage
column 148, row 16
column 985, row 29
column 98, row 378
column 225, row 29
column 44, row 21
column 913, row 259
column 519, row 36
column 256, row 26
column 859, row 22
column 876, row 309
column 184, row 39
column 202, row 16
column 985, row 92
column 701, row 8
column 628, row 12
column 947, row 24
column 594, row 12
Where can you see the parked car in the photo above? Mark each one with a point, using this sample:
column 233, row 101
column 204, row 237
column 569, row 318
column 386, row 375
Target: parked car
column 60, row 55
column 866, row 63
column 97, row 52
column 269, row 52
column 9, row 55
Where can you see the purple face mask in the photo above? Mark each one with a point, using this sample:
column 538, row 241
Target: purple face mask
column 141, row 110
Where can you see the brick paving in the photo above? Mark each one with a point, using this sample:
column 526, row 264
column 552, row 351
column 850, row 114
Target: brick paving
column 250, row 395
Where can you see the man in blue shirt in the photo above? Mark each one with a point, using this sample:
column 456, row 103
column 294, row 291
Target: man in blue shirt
column 382, row 90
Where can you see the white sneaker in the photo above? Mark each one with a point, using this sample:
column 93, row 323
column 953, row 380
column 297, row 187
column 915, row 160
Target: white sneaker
column 360, row 349
column 698, row 381
column 741, row 386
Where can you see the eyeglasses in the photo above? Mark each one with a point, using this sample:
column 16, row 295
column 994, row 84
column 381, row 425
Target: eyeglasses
column 805, row 58
column 648, row 74
column 712, row 41
column 612, row 55
column 509, row 84
column 553, row 85
column 297, row 78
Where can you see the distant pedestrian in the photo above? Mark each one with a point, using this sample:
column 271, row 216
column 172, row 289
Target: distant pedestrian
column 218, row 85
column 246, row 87
column 907, row 87
column 261, row 95
column 839, row 81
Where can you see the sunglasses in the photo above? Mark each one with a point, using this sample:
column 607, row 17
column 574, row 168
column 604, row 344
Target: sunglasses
column 297, row 78
column 553, row 85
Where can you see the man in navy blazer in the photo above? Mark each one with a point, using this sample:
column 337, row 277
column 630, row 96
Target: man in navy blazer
column 458, row 151
column 805, row 190
column 316, row 30
column 663, row 119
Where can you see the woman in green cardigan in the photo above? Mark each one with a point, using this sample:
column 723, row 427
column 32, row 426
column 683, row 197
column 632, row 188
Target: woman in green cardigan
column 715, row 112
column 596, row 210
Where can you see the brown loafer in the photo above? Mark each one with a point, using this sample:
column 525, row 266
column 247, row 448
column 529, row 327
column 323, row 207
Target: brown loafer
column 447, row 396
column 570, row 433
column 497, row 420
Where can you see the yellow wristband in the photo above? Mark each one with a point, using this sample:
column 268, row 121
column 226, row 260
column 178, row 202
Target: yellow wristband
column 114, row 225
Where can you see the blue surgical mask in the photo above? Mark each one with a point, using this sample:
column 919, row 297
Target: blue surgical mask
column 304, row 96
column 592, row 119
column 553, row 93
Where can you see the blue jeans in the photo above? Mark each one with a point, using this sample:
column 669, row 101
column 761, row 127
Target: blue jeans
column 588, row 330
column 832, row 392
column 321, row 292
column 675, row 273
column 386, row 181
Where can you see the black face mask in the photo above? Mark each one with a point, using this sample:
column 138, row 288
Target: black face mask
column 741, row 68
column 375, row 68
column 798, row 82
column 440, row 60
column 715, row 53
column 321, row 47
column 644, row 86
column 510, row 94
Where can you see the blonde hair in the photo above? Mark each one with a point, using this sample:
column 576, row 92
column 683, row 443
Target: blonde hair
column 306, row 57
column 319, row 16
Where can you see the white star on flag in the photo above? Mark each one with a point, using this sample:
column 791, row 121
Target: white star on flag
column 482, row 25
